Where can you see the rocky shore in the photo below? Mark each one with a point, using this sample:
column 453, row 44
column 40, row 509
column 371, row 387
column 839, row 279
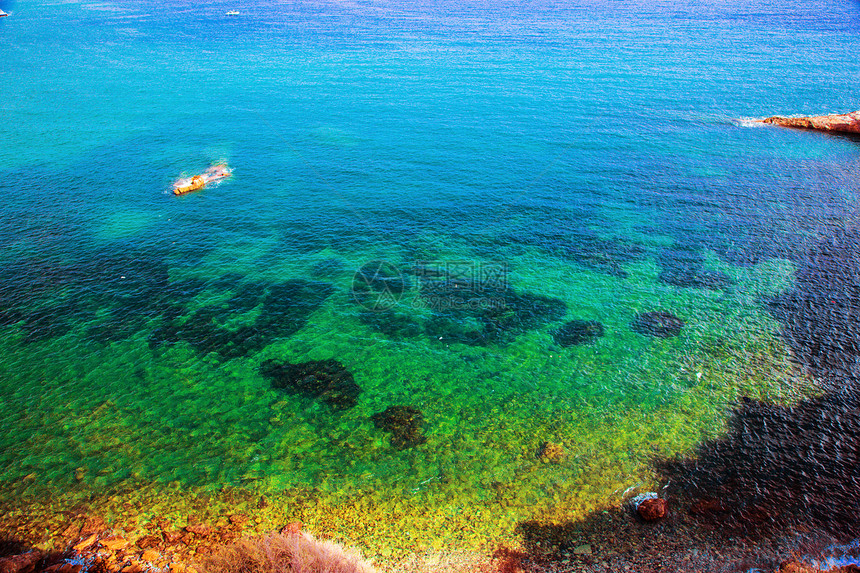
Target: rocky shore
column 838, row 123
column 691, row 536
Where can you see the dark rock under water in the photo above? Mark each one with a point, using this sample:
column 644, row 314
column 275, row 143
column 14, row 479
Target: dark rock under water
column 404, row 423
column 327, row 380
column 657, row 323
column 576, row 332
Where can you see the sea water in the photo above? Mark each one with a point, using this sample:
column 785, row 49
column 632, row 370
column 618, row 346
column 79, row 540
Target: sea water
column 425, row 194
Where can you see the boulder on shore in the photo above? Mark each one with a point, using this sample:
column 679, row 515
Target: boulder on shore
column 842, row 123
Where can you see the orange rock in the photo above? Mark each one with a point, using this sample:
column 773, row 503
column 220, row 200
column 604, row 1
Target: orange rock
column 81, row 545
column 653, row 509
column 72, row 531
column 133, row 568
column 845, row 122
column 151, row 555
column 115, row 543
column 238, row 519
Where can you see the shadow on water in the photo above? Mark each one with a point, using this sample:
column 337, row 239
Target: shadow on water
column 780, row 469
column 796, row 464
column 17, row 556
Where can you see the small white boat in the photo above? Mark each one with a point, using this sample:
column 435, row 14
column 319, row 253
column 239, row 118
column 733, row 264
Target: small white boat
column 2, row 13
column 233, row 13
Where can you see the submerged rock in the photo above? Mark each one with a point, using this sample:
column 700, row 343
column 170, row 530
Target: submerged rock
column 683, row 265
column 392, row 324
column 588, row 249
column 578, row 332
column 404, row 423
column 657, row 323
column 840, row 123
column 551, row 452
column 327, row 380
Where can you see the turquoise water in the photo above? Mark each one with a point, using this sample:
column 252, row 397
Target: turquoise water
column 507, row 167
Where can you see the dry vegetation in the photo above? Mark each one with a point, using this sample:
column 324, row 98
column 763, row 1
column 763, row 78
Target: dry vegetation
column 293, row 552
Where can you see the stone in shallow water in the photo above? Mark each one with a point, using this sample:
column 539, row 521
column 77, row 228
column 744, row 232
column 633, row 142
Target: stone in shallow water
column 404, row 423
column 684, row 266
column 578, row 332
column 327, row 380
column 657, row 323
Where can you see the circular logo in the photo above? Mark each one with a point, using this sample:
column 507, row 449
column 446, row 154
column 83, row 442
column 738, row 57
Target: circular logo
column 378, row 285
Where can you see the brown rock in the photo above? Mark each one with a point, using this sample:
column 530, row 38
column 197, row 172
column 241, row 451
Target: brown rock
column 653, row 509
column 24, row 563
column 64, row 568
column 133, row 568
column 148, row 541
column 202, row 529
column 843, row 123
column 238, row 519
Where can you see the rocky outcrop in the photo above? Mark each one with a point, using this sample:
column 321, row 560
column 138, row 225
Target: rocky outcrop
column 841, row 123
